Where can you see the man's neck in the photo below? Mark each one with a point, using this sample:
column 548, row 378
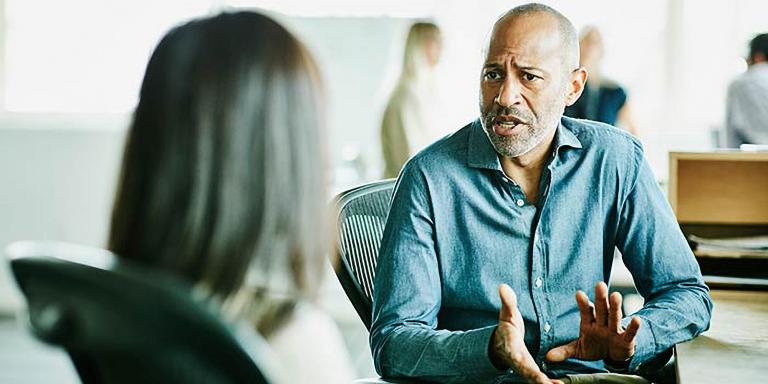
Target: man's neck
column 531, row 160
column 526, row 169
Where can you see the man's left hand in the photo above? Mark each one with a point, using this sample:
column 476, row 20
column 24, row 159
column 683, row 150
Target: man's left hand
column 600, row 333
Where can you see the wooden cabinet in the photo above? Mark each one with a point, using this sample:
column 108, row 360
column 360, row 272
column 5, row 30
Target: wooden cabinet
column 722, row 194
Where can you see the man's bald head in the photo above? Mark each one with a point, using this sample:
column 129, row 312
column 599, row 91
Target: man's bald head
column 562, row 26
column 530, row 74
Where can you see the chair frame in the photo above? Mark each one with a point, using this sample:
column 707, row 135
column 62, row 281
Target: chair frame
column 360, row 301
column 59, row 323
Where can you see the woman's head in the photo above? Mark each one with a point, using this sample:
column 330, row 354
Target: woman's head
column 423, row 47
column 591, row 48
column 758, row 49
column 223, row 166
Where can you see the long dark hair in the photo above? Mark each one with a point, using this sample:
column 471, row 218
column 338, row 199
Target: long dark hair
column 223, row 173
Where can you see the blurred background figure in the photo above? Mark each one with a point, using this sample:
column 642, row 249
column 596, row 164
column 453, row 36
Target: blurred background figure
column 223, row 182
column 410, row 118
column 746, row 112
column 603, row 99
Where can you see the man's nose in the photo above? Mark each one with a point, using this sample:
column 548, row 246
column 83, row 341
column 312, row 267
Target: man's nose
column 509, row 93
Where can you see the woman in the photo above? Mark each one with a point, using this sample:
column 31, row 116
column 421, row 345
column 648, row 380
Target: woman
column 409, row 119
column 603, row 99
column 223, row 181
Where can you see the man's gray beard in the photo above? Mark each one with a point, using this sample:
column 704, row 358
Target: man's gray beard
column 513, row 146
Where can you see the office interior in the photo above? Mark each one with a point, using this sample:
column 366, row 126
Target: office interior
column 70, row 73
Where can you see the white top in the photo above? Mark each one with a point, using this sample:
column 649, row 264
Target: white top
column 747, row 108
column 411, row 122
column 310, row 349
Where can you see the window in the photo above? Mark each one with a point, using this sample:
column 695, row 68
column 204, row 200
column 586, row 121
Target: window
column 83, row 55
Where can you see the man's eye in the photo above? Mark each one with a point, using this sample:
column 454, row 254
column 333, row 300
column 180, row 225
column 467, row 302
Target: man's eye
column 529, row 77
column 492, row 75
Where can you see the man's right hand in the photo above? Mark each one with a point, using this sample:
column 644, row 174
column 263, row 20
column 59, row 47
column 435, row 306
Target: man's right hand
column 508, row 341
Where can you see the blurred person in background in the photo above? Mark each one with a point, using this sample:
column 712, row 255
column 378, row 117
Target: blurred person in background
column 223, row 182
column 747, row 101
column 603, row 99
column 409, row 122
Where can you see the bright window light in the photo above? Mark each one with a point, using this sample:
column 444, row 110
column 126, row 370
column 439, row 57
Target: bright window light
column 343, row 8
column 83, row 55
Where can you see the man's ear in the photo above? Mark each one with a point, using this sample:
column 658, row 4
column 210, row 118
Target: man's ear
column 577, row 80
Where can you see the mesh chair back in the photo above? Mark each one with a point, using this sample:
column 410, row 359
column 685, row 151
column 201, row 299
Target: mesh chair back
column 362, row 215
column 123, row 323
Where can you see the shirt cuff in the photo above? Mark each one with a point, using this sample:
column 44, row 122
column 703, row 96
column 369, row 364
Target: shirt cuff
column 476, row 353
column 645, row 345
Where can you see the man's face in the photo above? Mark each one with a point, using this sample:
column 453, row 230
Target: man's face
column 524, row 85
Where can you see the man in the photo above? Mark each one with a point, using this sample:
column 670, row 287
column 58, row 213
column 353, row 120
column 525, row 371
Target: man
column 493, row 229
column 747, row 101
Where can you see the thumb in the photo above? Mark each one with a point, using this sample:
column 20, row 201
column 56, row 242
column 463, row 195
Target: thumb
column 562, row 352
column 508, row 303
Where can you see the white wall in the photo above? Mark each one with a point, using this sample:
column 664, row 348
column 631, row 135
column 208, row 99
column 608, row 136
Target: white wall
column 359, row 60
column 57, row 176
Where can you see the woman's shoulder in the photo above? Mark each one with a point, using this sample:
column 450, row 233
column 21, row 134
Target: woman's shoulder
column 612, row 87
column 308, row 318
column 310, row 346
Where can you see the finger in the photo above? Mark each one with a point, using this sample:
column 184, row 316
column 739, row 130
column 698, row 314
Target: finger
column 532, row 374
column 508, row 303
column 601, row 303
column 538, row 378
column 585, row 308
column 528, row 370
column 632, row 328
column 614, row 312
column 562, row 352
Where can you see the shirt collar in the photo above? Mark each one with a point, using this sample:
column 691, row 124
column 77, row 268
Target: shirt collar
column 481, row 154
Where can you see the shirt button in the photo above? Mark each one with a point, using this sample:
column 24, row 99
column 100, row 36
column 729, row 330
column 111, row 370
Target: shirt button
column 537, row 283
column 520, row 202
column 547, row 327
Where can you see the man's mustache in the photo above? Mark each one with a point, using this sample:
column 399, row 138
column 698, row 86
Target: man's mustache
column 510, row 111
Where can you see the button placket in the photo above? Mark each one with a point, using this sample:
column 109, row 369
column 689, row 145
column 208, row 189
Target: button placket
column 538, row 295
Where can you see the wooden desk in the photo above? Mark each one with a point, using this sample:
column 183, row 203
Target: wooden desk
column 735, row 348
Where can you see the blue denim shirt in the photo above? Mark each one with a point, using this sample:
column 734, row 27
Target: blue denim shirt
column 458, row 228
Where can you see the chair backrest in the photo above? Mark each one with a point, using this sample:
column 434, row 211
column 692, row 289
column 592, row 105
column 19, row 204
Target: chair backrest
column 362, row 215
column 124, row 323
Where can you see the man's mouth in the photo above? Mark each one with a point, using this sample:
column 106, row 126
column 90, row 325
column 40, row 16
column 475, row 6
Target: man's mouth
column 507, row 125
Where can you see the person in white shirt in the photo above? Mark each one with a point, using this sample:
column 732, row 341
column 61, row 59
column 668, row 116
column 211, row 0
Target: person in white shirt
column 747, row 101
column 410, row 119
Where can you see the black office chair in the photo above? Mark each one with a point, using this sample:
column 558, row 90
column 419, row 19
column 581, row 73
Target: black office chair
column 362, row 215
column 124, row 323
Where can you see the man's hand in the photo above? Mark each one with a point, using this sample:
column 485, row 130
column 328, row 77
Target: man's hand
column 508, row 340
column 600, row 333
